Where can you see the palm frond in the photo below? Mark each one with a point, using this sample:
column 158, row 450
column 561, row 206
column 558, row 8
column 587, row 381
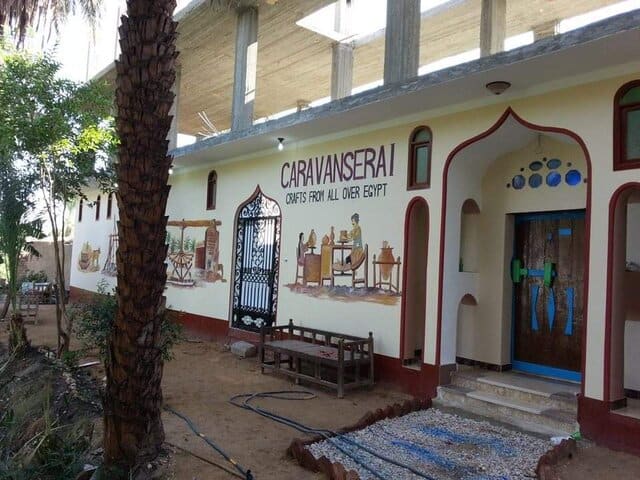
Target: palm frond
column 20, row 15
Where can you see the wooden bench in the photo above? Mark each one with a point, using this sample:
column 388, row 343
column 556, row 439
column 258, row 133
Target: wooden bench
column 307, row 354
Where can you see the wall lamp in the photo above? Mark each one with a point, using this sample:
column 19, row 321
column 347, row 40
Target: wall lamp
column 497, row 87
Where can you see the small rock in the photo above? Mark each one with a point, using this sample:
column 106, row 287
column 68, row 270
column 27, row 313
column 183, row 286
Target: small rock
column 243, row 349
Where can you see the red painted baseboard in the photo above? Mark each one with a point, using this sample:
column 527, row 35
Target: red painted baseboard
column 420, row 383
column 600, row 424
column 204, row 327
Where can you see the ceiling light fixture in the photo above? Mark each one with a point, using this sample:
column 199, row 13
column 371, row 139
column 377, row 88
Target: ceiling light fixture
column 280, row 143
column 497, row 87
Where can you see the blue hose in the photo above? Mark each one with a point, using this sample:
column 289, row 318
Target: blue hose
column 327, row 434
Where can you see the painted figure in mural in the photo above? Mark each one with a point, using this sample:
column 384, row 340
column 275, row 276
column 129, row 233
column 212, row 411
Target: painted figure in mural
column 301, row 250
column 355, row 235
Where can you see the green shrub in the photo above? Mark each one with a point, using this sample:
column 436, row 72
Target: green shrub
column 94, row 320
column 34, row 446
column 36, row 277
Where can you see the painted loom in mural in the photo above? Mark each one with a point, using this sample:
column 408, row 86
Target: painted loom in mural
column 110, row 267
column 192, row 262
column 341, row 268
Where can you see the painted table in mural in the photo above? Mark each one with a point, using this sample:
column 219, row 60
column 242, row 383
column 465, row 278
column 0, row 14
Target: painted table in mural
column 349, row 266
column 302, row 352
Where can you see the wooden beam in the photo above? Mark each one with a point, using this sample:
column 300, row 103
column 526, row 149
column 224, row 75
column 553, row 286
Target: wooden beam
column 193, row 223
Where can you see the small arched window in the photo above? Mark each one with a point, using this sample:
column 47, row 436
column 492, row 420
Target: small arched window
column 626, row 127
column 419, row 171
column 80, row 209
column 109, row 204
column 212, row 185
column 98, row 208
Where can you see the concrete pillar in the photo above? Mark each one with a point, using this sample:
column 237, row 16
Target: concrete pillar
column 493, row 26
column 342, row 53
column 244, row 82
column 173, row 131
column 341, row 70
column 546, row 29
column 402, row 40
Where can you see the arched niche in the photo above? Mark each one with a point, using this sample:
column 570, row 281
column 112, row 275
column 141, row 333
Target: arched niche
column 469, row 235
column 624, row 294
column 415, row 282
column 467, row 327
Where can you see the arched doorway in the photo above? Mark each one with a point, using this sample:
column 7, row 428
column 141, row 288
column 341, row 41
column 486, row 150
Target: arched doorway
column 415, row 282
column 532, row 184
column 623, row 300
column 257, row 261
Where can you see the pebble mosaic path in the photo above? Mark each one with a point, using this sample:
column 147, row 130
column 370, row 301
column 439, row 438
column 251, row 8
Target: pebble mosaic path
column 440, row 445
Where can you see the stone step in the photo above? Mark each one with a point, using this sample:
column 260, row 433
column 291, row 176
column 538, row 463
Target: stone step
column 548, row 394
column 525, row 415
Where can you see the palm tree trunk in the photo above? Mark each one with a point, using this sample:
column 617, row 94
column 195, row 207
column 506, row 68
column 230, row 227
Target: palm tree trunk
column 17, row 333
column 145, row 76
column 5, row 307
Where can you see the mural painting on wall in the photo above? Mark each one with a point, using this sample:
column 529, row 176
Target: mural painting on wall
column 339, row 268
column 343, row 268
column 193, row 261
column 110, row 268
column 89, row 260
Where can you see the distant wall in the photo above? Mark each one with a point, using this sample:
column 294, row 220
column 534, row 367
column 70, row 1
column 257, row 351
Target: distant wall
column 46, row 261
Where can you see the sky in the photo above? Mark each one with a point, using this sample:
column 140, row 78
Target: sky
column 84, row 53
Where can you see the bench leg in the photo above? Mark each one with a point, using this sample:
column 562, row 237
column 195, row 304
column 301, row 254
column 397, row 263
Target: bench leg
column 340, row 381
column 298, row 369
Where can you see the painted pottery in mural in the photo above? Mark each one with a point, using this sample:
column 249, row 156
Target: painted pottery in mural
column 386, row 260
column 89, row 260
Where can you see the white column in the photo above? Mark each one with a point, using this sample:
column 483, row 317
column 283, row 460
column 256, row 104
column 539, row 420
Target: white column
column 493, row 26
column 342, row 53
column 545, row 29
column 402, row 40
column 244, row 86
column 173, row 131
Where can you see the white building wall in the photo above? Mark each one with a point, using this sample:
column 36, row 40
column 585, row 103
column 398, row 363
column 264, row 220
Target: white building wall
column 585, row 110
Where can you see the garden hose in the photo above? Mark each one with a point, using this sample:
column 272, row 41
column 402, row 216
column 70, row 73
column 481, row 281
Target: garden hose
column 246, row 473
column 327, row 434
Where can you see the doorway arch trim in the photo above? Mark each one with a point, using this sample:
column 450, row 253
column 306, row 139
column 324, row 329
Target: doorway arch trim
column 510, row 113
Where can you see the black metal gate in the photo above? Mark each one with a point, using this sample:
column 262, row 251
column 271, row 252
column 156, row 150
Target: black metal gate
column 255, row 287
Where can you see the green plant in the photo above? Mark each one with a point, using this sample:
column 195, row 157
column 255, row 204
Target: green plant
column 94, row 321
column 37, row 277
column 37, row 447
column 71, row 358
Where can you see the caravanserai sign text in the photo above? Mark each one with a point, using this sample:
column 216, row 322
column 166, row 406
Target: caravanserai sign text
column 321, row 171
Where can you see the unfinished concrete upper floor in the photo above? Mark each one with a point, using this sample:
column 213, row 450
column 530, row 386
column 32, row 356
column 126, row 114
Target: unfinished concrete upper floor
column 296, row 48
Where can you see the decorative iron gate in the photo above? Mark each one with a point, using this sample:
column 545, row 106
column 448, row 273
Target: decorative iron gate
column 255, row 285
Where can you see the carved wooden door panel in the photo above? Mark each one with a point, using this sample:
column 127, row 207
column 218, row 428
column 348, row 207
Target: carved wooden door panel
column 548, row 275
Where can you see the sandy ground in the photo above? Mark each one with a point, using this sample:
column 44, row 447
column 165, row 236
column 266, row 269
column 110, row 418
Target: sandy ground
column 204, row 375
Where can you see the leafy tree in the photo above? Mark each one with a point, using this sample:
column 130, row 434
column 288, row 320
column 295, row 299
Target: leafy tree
column 19, row 15
column 16, row 227
column 59, row 133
